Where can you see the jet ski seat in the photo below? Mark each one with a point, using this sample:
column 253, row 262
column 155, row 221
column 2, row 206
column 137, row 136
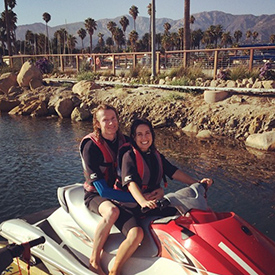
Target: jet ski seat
column 71, row 199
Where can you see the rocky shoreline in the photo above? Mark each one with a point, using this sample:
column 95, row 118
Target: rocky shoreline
column 250, row 118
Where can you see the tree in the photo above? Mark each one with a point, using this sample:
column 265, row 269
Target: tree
column 100, row 41
column 82, row 34
column 8, row 22
column 272, row 38
column 47, row 18
column 133, row 11
column 248, row 34
column 187, row 36
column 91, row 26
column 226, row 39
column 29, row 37
column 255, row 35
column 111, row 27
column 167, row 27
column 133, row 38
column 238, row 35
column 124, row 22
column 61, row 36
column 118, row 37
column 72, row 41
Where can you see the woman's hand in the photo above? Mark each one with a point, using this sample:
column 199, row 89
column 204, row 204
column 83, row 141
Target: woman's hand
column 207, row 181
column 155, row 195
column 150, row 204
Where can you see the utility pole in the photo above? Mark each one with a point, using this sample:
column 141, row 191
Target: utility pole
column 153, row 39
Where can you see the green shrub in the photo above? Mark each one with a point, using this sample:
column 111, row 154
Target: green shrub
column 239, row 72
column 86, row 76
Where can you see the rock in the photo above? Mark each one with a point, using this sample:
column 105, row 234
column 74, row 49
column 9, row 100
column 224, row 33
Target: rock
column 80, row 114
column 191, row 127
column 161, row 81
column 256, row 124
column 264, row 141
column 269, row 84
column 64, row 107
column 35, row 83
column 28, row 72
column 211, row 96
column 257, row 84
column 84, row 87
column 7, row 80
column 231, row 84
column 7, row 105
column 204, row 134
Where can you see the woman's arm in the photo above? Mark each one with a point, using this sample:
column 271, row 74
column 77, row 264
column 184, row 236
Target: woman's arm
column 182, row 177
column 138, row 196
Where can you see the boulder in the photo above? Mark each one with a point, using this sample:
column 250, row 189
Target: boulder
column 64, row 107
column 80, row 114
column 192, row 128
column 28, row 72
column 6, row 105
column 84, row 87
column 204, row 134
column 35, row 83
column 211, row 96
column 7, row 80
column 264, row 141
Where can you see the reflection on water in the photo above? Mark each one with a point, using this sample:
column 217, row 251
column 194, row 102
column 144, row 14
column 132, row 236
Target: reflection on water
column 38, row 155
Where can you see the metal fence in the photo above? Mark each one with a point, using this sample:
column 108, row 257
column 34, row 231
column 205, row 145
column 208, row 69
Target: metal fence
column 209, row 60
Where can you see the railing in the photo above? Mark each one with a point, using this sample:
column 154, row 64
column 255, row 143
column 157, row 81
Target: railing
column 210, row 60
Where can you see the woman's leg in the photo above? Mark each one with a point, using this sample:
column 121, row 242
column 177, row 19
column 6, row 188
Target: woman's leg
column 109, row 213
column 127, row 248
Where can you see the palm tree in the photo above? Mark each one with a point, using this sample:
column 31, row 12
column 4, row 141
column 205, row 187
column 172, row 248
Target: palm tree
column 8, row 4
column 82, row 34
column 272, row 38
column 187, row 36
column 72, row 41
column 248, row 34
column 124, row 22
column 196, row 38
column 91, row 26
column 226, row 39
column 111, row 27
column 255, row 35
column 238, row 35
column 133, row 38
column 61, row 36
column 29, row 37
column 118, row 37
column 167, row 27
column 133, row 11
column 47, row 18
column 100, row 41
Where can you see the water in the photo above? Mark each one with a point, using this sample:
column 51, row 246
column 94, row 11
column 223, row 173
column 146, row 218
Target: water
column 39, row 155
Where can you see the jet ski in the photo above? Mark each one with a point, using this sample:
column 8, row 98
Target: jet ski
column 196, row 240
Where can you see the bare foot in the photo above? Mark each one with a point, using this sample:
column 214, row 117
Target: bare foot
column 96, row 268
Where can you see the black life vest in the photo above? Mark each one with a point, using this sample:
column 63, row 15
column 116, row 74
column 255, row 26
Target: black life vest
column 142, row 168
column 109, row 163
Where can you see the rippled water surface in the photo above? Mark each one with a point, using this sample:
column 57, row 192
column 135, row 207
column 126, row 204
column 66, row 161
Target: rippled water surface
column 39, row 155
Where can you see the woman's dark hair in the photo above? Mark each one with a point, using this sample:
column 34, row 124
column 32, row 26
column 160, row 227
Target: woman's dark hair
column 135, row 124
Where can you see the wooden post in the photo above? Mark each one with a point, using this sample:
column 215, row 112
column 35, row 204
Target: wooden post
column 251, row 59
column 216, row 58
column 134, row 60
column 158, row 63
column 77, row 63
column 114, row 64
column 61, row 63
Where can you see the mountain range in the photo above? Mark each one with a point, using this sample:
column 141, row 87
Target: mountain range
column 263, row 24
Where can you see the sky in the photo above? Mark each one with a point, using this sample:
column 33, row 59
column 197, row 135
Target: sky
column 71, row 11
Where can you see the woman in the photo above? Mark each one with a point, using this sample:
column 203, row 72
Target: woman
column 142, row 167
column 98, row 152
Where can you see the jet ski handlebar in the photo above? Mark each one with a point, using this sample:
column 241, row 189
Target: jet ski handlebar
column 161, row 204
column 16, row 250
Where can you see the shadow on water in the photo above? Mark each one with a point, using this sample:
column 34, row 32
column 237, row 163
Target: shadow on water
column 38, row 155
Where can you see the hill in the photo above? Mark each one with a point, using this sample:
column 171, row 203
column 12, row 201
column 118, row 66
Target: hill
column 263, row 24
